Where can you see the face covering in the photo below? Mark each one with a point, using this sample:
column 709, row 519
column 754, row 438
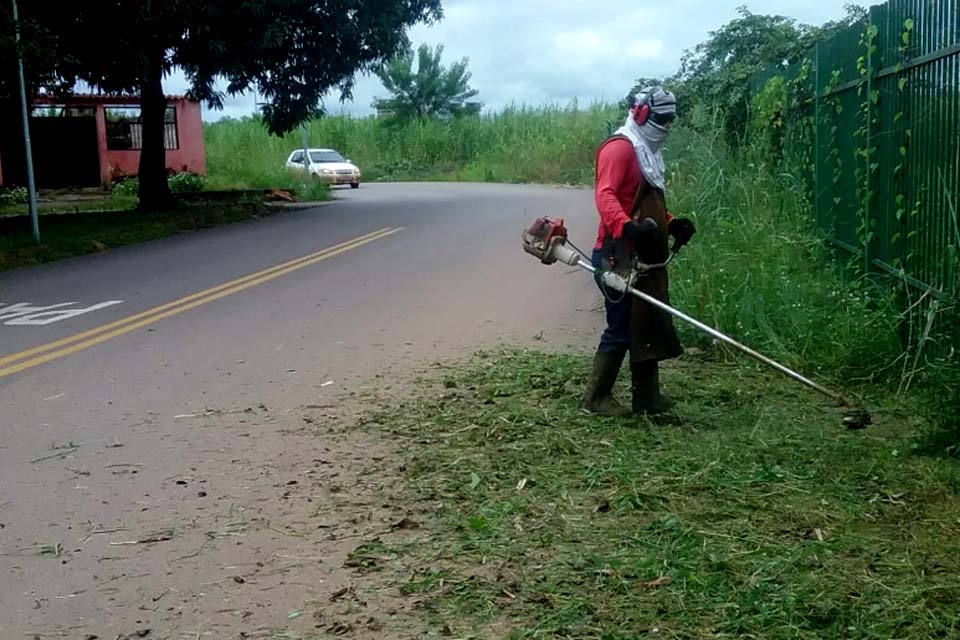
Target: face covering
column 649, row 137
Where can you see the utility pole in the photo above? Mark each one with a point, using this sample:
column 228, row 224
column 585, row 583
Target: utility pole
column 304, row 139
column 25, row 118
column 306, row 145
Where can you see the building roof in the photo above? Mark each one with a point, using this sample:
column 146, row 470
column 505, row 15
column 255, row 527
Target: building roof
column 100, row 98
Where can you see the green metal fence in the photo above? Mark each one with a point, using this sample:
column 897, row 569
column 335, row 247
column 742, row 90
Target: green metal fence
column 874, row 120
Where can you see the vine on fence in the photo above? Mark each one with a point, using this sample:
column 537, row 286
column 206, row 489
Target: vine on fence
column 802, row 138
column 769, row 107
column 899, row 173
column 889, row 119
column 868, row 100
column 835, row 110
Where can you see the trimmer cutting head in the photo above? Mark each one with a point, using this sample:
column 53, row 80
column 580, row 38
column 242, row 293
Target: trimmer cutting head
column 855, row 418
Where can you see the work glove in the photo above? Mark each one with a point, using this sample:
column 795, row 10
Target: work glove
column 639, row 232
column 682, row 230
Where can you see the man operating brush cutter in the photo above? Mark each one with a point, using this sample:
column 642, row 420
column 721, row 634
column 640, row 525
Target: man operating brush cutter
column 629, row 263
column 635, row 224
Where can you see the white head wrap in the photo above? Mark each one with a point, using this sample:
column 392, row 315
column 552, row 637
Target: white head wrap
column 648, row 138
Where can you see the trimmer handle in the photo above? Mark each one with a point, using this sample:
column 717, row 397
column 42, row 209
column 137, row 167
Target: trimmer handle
column 677, row 245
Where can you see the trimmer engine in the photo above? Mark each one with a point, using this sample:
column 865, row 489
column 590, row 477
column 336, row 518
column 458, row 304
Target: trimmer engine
column 546, row 239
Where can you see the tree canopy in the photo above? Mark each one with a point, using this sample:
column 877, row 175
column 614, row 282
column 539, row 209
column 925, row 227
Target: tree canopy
column 292, row 51
column 431, row 91
column 41, row 57
column 719, row 70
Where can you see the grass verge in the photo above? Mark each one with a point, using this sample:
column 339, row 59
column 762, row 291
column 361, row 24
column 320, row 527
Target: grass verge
column 64, row 236
column 106, row 202
column 757, row 516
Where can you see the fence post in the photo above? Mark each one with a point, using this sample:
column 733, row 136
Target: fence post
column 816, row 134
column 867, row 233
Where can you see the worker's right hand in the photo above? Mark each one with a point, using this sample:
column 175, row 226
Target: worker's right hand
column 640, row 232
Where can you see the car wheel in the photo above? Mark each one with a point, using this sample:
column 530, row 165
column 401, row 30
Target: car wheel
column 354, row 185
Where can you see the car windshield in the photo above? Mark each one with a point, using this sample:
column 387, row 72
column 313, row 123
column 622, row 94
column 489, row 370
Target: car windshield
column 326, row 156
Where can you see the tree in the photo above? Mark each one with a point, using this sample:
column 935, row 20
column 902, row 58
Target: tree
column 292, row 51
column 42, row 59
column 853, row 14
column 430, row 91
column 719, row 70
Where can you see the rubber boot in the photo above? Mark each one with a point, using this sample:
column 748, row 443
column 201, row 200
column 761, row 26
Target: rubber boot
column 598, row 398
column 646, row 397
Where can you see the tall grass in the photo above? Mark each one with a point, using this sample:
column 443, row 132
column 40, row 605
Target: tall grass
column 759, row 271
column 240, row 155
column 524, row 145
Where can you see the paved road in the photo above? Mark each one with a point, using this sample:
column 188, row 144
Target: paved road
column 444, row 275
column 451, row 274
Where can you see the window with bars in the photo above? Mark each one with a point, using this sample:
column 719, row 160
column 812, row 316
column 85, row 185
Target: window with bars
column 125, row 128
column 61, row 111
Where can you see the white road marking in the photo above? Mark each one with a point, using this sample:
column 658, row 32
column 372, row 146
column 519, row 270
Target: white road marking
column 23, row 308
column 22, row 314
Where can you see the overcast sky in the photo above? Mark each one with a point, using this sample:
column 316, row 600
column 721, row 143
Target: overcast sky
column 535, row 52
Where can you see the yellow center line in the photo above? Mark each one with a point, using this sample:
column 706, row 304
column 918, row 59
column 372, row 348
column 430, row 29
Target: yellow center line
column 97, row 335
column 200, row 294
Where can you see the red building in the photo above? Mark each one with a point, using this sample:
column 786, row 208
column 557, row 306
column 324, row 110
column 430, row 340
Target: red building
column 92, row 140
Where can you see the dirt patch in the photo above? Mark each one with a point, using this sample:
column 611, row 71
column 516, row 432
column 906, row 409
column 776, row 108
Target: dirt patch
column 276, row 525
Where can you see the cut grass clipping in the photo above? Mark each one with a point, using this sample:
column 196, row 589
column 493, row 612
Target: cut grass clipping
column 756, row 516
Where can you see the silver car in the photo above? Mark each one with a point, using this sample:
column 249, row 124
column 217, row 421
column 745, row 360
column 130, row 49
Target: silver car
column 327, row 166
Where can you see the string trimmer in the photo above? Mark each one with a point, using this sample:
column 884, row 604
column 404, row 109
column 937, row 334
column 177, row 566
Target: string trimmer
column 547, row 240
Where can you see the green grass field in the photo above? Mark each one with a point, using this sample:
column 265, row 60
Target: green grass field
column 753, row 514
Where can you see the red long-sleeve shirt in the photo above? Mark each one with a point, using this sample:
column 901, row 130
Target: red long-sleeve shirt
column 618, row 179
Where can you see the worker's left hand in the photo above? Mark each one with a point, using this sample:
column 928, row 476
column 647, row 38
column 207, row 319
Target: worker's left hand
column 639, row 232
column 682, row 229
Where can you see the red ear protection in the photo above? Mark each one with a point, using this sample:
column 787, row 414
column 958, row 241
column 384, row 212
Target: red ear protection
column 641, row 112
